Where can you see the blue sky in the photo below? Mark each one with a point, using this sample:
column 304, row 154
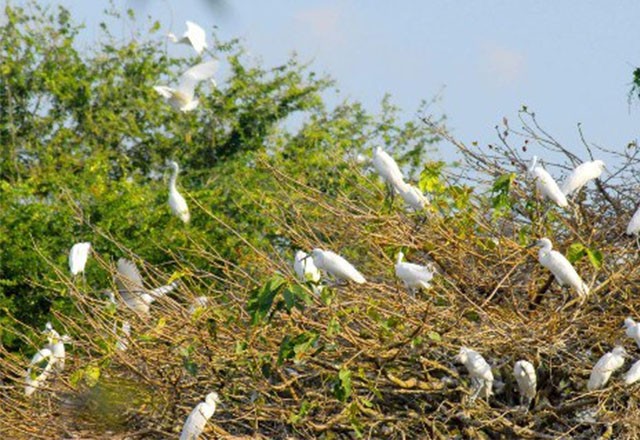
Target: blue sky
column 569, row 61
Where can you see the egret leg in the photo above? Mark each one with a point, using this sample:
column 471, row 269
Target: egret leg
column 476, row 386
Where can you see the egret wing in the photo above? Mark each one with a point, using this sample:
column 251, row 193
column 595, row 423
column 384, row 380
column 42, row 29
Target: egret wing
column 634, row 223
column 194, row 424
column 190, row 79
column 565, row 273
column 196, row 36
column 387, row 167
column 341, row 268
column 164, row 91
column 548, row 187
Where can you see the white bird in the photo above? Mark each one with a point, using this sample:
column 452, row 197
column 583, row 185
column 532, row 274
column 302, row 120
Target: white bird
column 411, row 195
column 633, row 375
column 193, row 36
column 177, row 203
column 632, row 329
column 33, row 380
column 633, row 228
column 387, row 167
column 199, row 302
column 130, row 287
column 581, row 175
column 560, row 267
column 525, row 375
column 307, row 271
column 546, row 185
column 56, row 345
column 78, row 257
column 479, row 370
column 335, row 265
column 122, row 344
column 603, row 369
column 198, row 418
column 183, row 98
column 414, row 276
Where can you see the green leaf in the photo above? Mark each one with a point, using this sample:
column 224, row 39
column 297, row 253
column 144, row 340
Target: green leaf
column 261, row 299
column 296, row 347
column 342, row 387
column 575, row 252
column 595, row 257
column 434, row 336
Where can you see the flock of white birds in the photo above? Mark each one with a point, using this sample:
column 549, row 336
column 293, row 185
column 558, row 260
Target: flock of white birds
column 308, row 267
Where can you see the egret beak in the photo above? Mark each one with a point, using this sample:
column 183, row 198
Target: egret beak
column 533, row 244
column 304, row 258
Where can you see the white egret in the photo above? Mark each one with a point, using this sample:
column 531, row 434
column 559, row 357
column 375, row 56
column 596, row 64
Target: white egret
column 78, row 257
column 546, row 185
column 633, row 375
column 130, row 287
column 581, row 175
column 633, row 228
column 479, row 370
column 198, row 418
column 182, row 98
column 387, row 167
column 632, row 329
column 335, row 265
column 560, row 267
column 605, row 366
column 199, row 302
column 177, row 203
column 193, row 36
column 411, row 195
column 122, row 344
column 56, row 345
column 414, row 276
column 525, row 375
column 307, row 271
column 34, row 380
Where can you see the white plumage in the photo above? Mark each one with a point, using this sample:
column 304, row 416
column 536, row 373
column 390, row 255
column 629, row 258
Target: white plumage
column 198, row 303
column 387, row 167
column 603, row 369
column 32, row 380
column 525, row 375
column 546, row 185
column 177, row 203
column 182, row 98
column 633, row 228
column 411, row 195
column 306, row 270
column 633, row 375
column 195, row 423
column 122, row 344
column 632, row 329
column 78, row 257
column 56, row 345
column 581, row 175
column 560, row 267
column 413, row 275
column 479, row 370
column 335, row 265
column 130, row 287
column 193, row 36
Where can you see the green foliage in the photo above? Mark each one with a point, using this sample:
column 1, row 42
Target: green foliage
column 577, row 251
column 296, row 347
column 261, row 299
column 635, row 84
column 500, row 199
column 342, row 385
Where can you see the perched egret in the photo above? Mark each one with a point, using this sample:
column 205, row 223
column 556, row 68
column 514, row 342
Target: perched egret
column 198, row 418
column 134, row 294
column 560, row 267
column 479, row 370
column 183, row 98
column 414, row 276
column 33, row 380
column 582, row 174
column 78, row 257
column 335, row 265
column 633, row 228
column 193, row 36
column 632, row 329
column 56, row 345
column 177, row 203
column 387, row 167
column 307, row 271
column 123, row 343
column 412, row 196
column 607, row 364
column 546, row 185
column 525, row 375
column 633, row 375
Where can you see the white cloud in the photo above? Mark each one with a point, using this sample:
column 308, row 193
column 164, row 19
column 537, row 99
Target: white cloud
column 503, row 66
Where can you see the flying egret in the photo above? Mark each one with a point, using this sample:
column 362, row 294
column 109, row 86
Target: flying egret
column 198, row 418
column 607, row 364
column 387, row 167
column 546, row 185
column 633, row 375
column 193, row 36
column 633, row 228
column 525, row 375
column 307, row 271
column 33, row 380
column 479, row 370
column 130, row 287
column 560, row 267
column 414, row 276
column 335, row 265
column 177, row 203
column 56, row 345
column 78, row 257
column 582, row 174
column 411, row 195
column 632, row 329
column 183, row 98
